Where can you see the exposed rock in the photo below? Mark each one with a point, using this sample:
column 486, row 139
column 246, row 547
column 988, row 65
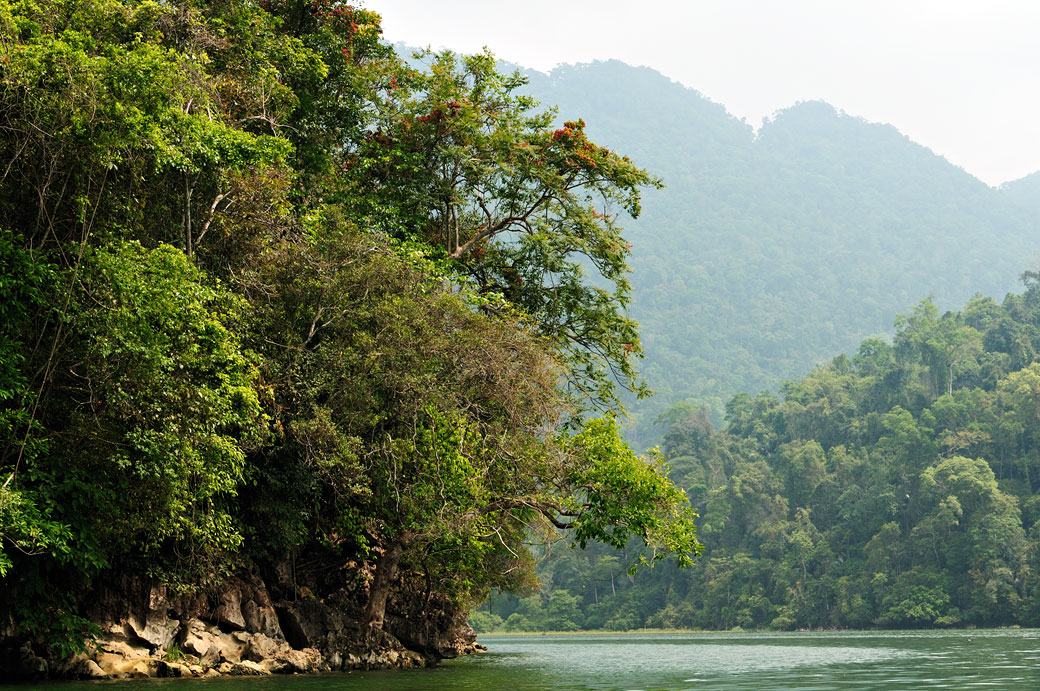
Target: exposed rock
column 212, row 645
column 237, row 629
column 428, row 622
column 175, row 669
column 262, row 647
column 31, row 665
column 289, row 661
column 244, row 668
column 88, row 669
column 118, row 643
column 157, row 630
column 168, row 669
column 229, row 612
column 141, row 669
column 153, row 625
column 110, row 663
column 308, row 623
column 198, row 641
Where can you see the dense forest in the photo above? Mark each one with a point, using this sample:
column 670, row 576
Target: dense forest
column 771, row 249
column 896, row 487
column 276, row 302
column 283, row 305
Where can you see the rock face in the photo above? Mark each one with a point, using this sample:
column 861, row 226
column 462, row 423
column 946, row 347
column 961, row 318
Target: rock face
column 429, row 622
column 237, row 629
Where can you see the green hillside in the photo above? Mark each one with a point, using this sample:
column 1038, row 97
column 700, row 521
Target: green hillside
column 898, row 487
column 1025, row 192
column 895, row 486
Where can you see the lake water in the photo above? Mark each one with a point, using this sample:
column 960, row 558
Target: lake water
column 1001, row 659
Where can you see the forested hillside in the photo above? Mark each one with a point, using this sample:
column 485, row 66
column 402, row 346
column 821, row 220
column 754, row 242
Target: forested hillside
column 898, row 487
column 1024, row 192
column 768, row 253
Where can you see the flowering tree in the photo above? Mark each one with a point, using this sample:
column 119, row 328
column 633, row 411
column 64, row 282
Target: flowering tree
column 461, row 167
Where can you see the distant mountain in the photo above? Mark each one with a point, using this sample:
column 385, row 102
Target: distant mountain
column 1025, row 192
column 769, row 252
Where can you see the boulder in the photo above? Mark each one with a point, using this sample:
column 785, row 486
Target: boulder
column 260, row 617
column 262, row 647
column 31, row 665
column 139, row 669
column 198, row 641
column 229, row 611
column 289, row 661
column 174, row 669
column 110, row 663
column 211, row 645
column 245, row 668
column 156, row 629
column 88, row 669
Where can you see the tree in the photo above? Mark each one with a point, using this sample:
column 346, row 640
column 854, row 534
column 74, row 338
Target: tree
column 459, row 165
column 135, row 459
column 801, row 466
column 943, row 342
column 984, row 542
column 164, row 406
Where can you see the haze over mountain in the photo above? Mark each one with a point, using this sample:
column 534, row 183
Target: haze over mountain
column 769, row 252
column 954, row 75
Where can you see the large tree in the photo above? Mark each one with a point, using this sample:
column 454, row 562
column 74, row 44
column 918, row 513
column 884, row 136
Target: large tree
column 461, row 166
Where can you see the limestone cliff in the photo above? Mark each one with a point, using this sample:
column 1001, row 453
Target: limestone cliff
column 237, row 628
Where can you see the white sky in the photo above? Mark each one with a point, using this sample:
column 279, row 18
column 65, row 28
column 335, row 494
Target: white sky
column 961, row 77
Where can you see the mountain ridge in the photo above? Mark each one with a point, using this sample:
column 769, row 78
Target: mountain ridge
column 770, row 251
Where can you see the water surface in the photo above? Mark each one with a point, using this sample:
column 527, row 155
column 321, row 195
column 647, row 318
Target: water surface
column 1002, row 659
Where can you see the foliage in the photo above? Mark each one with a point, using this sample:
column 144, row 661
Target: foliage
column 166, row 404
column 24, row 282
column 236, row 332
column 460, row 164
column 895, row 488
column 623, row 496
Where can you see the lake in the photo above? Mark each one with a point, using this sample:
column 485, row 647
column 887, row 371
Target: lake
column 1003, row 659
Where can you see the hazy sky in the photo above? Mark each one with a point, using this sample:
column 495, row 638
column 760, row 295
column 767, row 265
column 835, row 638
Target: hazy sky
column 961, row 77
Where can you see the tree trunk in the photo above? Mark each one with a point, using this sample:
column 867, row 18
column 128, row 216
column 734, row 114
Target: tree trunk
column 386, row 573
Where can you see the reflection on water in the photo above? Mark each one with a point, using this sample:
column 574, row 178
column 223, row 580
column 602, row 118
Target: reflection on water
column 1003, row 659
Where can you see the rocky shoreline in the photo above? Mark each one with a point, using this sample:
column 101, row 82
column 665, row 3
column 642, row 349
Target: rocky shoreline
column 237, row 629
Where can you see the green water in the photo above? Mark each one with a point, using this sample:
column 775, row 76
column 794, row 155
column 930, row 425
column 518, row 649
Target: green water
column 1001, row 659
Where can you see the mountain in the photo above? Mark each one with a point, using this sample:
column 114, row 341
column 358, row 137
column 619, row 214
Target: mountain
column 771, row 251
column 1024, row 192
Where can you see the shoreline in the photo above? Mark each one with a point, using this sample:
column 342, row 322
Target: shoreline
column 635, row 632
